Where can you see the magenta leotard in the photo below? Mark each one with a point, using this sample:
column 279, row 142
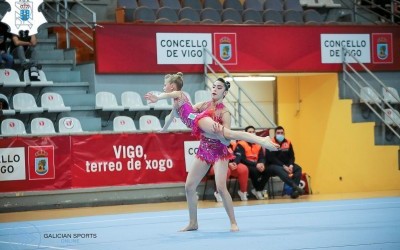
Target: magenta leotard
column 210, row 150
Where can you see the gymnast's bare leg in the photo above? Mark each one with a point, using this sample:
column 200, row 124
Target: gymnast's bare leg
column 221, row 169
column 196, row 174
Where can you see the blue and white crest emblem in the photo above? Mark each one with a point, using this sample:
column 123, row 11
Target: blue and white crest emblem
column 24, row 15
column 225, row 50
column 41, row 165
column 382, row 50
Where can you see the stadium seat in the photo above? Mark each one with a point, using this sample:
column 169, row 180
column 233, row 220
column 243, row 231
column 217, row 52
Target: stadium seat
column 252, row 16
column 149, row 123
column 123, row 124
column 12, row 127
column 234, row 4
column 132, row 101
column 168, row 13
column 41, row 125
column 5, row 106
column 24, row 103
column 275, row 5
column 213, row 4
column 53, row 102
column 188, row 13
column 392, row 117
column 202, row 96
column 106, row 101
column 293, row 17
column 210, row 14
column 367, row 95
column 173, row 4
column 273, row 17
column 292, row 5
column 232, row 15
column 152, row 4
column 391, row 95
column 194, row 4
column 253, row 4
column 42, row 79
column 69, row 125
column 144, row 14
column 10, row 78
column 176, row 124
column 312, row 16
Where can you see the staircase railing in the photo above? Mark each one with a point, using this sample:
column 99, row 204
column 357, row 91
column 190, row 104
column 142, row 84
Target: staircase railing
column 241, row 113
column 355, row 84
column 64, row 17
column 371, row 6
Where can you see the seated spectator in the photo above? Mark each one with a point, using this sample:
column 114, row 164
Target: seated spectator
column 239, row 171
column 7, row 59
column 23, row 46
column 281, row 163
column 252, row 156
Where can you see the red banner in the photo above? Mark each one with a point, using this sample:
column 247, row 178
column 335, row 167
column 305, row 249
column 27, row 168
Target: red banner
column 243, row 48
column 81, row 161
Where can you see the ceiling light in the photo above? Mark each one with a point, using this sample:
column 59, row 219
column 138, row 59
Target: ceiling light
column 251, row 78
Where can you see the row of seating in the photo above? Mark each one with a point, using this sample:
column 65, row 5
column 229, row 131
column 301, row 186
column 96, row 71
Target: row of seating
column 209, row 15
column 218, row 5
column 24, row 103
column 10, row 78
column 172, row 11
column 72, row 125
column 390, row 95
column 132, row 101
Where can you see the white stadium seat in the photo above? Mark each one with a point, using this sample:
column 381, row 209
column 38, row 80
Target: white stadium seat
column 69, row 125
column 53, row 102
column 149, row 123
column 132, row 101
column 391, row 95
column 41, row 125
column 160, row 104
column 24, row 103
column 176, row 124
column 367, row 95
column 10, row 78
column 107, row 101
column 42, row 79
column 12, row 127
column 392, row 117
column 123, row 124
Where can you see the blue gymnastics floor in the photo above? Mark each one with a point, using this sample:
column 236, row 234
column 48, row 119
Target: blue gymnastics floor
column 346, row 224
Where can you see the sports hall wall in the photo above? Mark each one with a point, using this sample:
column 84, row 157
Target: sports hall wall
column 339, row 155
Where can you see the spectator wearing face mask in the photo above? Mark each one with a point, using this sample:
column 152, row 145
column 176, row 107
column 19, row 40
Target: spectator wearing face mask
column 281, row 163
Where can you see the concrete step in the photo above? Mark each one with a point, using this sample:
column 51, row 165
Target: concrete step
column 55, row 54
column 80, row 99
column 64, row 76
column 68, row 88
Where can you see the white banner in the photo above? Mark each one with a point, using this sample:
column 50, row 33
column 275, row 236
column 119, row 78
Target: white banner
column 12, row 164
column 357, row 44
column 183, row 48
column 190, row 148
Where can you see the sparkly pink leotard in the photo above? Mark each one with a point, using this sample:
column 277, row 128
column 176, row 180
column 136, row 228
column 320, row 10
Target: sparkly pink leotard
column 210, row 150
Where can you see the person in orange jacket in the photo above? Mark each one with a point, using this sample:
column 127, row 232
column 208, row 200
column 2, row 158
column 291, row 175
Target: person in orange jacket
column 252, row 156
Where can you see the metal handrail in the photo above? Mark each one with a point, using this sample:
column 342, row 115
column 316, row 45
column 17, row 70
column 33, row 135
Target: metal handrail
column 63, row 14
column 357, row 5
column 366, row 83
column 236, row 99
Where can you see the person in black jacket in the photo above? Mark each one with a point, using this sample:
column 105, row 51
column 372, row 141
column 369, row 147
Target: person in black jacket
column 281, row 163
column 7, row 59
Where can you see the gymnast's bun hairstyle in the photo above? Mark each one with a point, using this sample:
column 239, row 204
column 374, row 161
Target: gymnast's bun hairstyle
column 226, row 83
column 177, row 79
